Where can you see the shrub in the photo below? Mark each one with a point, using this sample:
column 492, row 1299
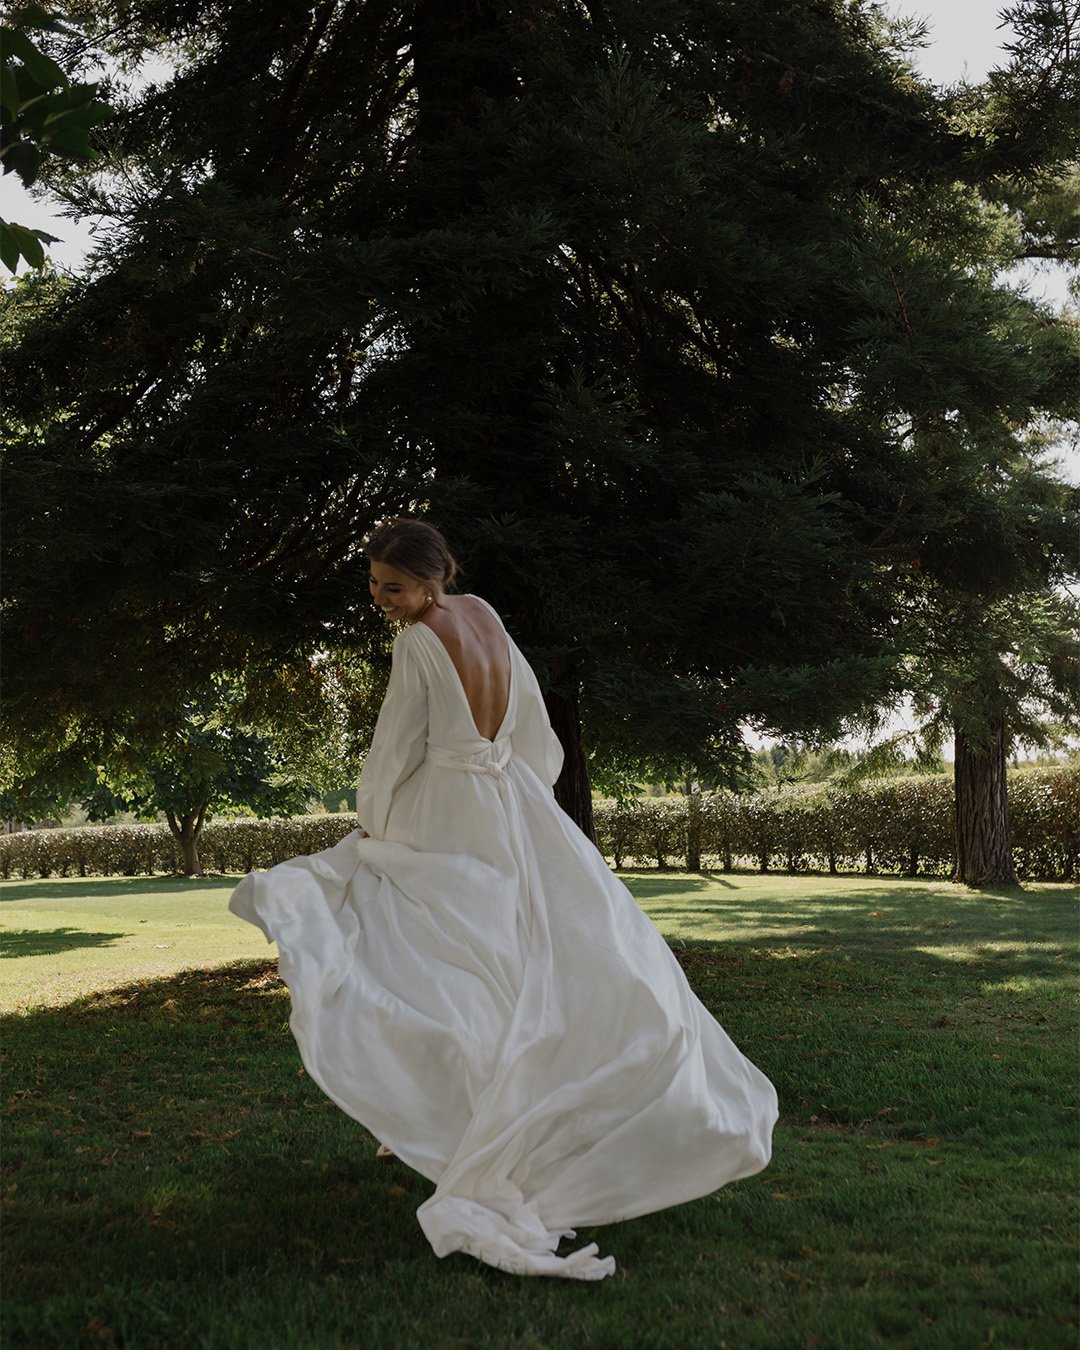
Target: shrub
column 899, row 825
column 1044, row 815
column 142, row 850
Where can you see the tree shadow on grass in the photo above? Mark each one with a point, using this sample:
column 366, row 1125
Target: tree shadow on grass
column 881, row 919
column 184, row 1117
column 48, row 941
column 648, row 884
column 109, row 888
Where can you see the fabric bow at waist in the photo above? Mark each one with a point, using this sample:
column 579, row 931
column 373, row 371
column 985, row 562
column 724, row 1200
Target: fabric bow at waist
column 491, row 761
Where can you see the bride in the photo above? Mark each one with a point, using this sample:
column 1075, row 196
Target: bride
column 471, row 982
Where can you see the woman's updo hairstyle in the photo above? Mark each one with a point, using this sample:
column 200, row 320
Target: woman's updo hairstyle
column 416, row 548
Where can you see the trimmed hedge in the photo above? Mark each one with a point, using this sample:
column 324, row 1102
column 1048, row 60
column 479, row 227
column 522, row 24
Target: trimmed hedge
column 900, row 826
column 142, row 850
column 894, row 826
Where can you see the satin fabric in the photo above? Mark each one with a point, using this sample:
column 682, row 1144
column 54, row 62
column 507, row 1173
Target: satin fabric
column 473, row 985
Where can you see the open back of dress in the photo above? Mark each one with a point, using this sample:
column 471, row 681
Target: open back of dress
column 474, row 986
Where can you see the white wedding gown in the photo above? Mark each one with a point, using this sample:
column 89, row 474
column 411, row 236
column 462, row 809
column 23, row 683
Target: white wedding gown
column 475, row 987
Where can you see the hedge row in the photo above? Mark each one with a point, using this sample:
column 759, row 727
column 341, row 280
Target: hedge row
column 142, row 850
column 900, row 826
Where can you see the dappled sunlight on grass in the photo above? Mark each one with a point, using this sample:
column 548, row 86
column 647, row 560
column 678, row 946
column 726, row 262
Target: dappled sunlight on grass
column 78, row 935
column 170, row 1167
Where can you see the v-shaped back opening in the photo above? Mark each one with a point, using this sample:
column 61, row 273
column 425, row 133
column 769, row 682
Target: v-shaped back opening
column 461, row 680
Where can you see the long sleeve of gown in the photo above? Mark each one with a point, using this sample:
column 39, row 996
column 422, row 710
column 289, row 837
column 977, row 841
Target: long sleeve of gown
column 398, row 745
column 532, row 737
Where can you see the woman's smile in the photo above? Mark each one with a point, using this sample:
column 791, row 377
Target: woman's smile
column 401, row 597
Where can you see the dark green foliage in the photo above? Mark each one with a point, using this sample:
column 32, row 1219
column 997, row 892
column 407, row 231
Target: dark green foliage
column 903, row 826
column 682, row 320
column 202, row 760
column 41, row 113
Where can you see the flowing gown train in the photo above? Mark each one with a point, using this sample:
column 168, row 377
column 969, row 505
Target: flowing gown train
column 473, row 985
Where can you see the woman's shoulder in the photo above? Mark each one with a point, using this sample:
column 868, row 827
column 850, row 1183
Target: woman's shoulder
column 479, row 600
column 470, row 600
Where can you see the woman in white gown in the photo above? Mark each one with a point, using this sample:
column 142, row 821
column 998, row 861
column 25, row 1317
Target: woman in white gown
column 471, row 982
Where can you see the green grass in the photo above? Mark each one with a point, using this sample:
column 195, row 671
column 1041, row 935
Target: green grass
column 80, row 935
column 173, row 1178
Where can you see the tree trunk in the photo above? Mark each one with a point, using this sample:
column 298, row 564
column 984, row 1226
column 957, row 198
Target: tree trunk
column 983, row 845
column 693, row 826
column 186, row 829
column 573, row 791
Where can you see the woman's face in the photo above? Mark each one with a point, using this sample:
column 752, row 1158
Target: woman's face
column 399, row 596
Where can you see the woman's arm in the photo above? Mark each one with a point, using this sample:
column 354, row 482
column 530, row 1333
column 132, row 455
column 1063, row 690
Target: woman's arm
column 532, row 736
column 399, row 743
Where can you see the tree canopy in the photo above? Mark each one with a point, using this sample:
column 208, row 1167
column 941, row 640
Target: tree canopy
column 682, row 320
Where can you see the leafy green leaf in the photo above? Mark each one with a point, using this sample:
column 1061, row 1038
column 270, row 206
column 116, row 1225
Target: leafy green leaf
column 9, row 91
column 71, row 140
column 9, row 248
column 28, row 244
column 43, row 68
column 23, row 158
column 33, row 16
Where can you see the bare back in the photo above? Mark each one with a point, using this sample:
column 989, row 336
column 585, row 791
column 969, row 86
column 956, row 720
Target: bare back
column 476, row 644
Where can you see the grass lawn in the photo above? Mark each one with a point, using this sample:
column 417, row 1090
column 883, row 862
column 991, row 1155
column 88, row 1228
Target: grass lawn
column 81, row 935
column 172, row 1178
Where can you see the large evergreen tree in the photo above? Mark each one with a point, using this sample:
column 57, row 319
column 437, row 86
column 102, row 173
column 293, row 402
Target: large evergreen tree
column 676, row 316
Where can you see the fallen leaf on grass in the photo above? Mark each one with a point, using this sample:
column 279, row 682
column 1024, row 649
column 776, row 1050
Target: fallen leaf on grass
column 926, row 1143
column 779, row 1195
